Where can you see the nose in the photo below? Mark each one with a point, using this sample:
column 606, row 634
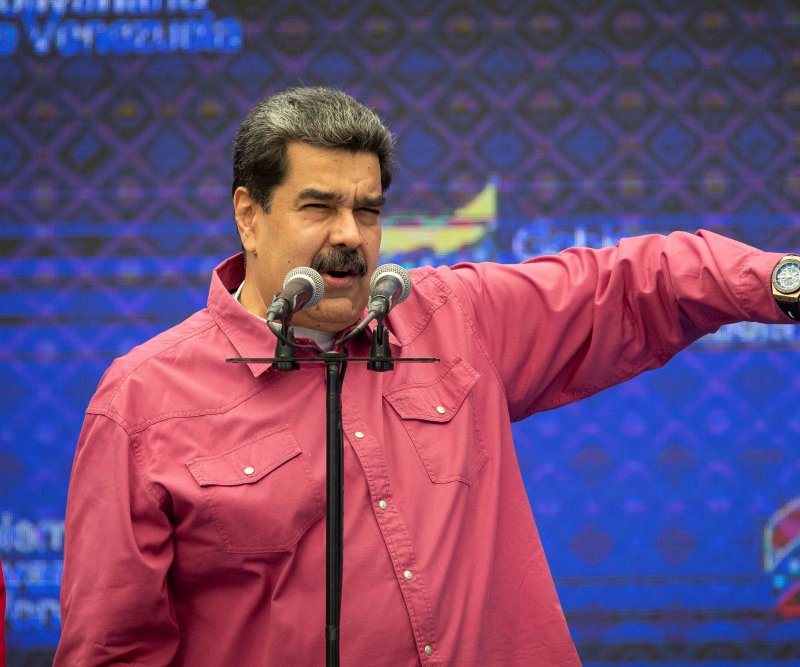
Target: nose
column 345, row 230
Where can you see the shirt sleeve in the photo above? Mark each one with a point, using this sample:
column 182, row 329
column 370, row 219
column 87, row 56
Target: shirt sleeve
column 562, row 327
column 115, row 601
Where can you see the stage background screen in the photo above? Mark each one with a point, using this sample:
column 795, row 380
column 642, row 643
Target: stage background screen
column 669, row 507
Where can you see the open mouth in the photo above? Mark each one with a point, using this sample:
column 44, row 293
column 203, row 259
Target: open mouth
column 338, row 279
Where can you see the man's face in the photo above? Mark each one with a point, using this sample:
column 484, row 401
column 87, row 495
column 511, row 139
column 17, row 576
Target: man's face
column 325, row 214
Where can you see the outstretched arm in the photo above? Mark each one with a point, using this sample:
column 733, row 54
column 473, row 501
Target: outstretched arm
column 563, row 327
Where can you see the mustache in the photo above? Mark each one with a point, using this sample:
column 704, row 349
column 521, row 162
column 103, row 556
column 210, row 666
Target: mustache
column 340, row 260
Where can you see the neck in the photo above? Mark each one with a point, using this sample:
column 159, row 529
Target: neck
column 249, row 297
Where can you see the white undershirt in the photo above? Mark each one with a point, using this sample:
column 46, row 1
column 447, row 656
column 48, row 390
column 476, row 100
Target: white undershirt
column 324, row 339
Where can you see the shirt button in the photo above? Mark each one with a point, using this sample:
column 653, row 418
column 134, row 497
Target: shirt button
column 249, row 470
column 383, row 505
column 359, row 434
column 408, row 574
column 428, row 650
column 441, row 409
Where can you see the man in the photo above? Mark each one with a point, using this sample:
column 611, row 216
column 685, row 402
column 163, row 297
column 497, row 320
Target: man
column 195, row 528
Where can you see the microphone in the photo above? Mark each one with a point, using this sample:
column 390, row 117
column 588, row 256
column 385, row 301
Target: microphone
column 390, row 284
column 302, row 288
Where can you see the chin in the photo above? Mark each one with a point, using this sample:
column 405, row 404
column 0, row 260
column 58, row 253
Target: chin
column 328, row 319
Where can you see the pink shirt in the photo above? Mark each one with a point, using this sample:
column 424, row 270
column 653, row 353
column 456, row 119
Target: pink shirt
column 195, row 522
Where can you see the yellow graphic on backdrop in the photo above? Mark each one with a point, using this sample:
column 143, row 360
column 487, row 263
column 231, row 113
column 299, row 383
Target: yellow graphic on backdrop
column 442, row 234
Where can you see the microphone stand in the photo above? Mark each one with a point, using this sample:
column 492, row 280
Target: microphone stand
column 335, row 366
column 284, row 350
column 380, row 360
column 380, row 353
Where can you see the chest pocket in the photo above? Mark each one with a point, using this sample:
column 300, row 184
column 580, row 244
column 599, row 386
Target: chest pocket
column 439, row 417
column 260, row 492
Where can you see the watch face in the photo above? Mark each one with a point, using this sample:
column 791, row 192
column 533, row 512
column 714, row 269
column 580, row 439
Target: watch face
column 787, row 277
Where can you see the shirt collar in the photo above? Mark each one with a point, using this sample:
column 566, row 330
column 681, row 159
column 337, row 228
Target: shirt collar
column 248, row 334
column 323, row 339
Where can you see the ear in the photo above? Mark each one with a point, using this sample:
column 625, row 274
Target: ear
column 245, row 209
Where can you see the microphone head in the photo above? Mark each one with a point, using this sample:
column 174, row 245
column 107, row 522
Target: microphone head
column 394, row 270
column 313, row 277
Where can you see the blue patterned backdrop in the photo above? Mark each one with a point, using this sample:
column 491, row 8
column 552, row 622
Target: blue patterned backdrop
column 670, row 506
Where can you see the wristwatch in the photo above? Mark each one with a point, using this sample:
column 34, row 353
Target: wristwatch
column 786, row 285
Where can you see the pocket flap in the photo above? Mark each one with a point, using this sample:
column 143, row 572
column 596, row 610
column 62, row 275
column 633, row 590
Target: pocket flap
column 246, row 462
column 437, row 400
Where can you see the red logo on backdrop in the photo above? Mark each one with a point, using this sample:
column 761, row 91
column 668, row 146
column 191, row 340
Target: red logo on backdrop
column 782, row 556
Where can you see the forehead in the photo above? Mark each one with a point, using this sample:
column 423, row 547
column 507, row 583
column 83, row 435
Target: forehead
column 312, row 166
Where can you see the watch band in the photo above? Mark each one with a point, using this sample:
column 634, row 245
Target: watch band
column 791, row 308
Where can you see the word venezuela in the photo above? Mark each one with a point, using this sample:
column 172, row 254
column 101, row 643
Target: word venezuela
column 75, row 27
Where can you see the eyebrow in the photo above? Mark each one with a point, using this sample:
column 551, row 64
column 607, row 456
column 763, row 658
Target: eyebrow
column 337, row 197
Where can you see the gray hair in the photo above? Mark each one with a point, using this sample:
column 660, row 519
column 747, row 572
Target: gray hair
column 322, row 117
